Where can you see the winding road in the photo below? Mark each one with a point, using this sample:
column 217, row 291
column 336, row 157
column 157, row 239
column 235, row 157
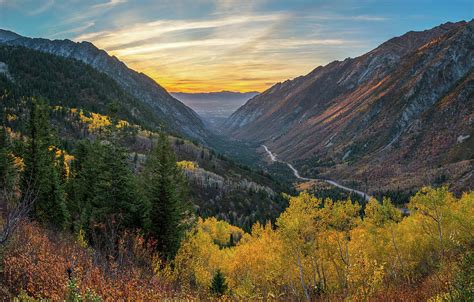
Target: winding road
column 273, row 157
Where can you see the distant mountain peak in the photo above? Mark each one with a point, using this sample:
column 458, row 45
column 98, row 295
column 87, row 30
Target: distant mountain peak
column 6, row 35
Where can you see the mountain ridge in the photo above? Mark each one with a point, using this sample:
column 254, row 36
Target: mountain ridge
column 177, row 116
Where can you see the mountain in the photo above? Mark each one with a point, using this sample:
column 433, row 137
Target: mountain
column 396, row 117
column 214, row 107
column 65, row 83
column 83, row 102
column 175, row 115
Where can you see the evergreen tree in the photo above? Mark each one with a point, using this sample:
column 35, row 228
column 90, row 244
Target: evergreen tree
column 62, row 168
column 104, row 193
column 82, row 186
column 219, row 285
column 165, row 189
column 7, row 167
column 116, row 189
column 41, row 170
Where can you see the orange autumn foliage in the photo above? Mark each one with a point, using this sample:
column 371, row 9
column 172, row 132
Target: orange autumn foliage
column 37, row 263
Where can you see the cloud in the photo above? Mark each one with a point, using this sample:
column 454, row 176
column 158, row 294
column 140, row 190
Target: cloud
column 109, row 4
column 229, row 7
column 142, row 31
column 235, row 52
column 30, row 7
column 231, row 45
column 331, row 17
column 75, row 30
column 367, row 18
column 42, row 8
column 92, row 13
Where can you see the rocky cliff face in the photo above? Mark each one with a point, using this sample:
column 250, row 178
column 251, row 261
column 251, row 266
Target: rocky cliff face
column 404, row 107
column 175, row 114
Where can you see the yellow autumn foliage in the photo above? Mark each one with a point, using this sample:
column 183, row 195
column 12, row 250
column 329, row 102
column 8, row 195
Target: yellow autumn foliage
column 18, row 163
column 321, row 247
column 122, row 124
column 12, row 134
column 95, row 121
column 11, row 117
column 187, row 165
column 68, row 158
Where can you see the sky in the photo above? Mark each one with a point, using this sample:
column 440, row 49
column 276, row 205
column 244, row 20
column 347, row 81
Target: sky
column 215, row 45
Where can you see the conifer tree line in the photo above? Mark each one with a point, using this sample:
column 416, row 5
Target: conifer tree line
column 96, row 193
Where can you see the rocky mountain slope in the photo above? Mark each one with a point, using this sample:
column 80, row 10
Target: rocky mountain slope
column 175, row 115
column 402, row 109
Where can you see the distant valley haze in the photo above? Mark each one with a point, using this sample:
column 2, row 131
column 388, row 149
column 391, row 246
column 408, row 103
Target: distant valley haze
column 214, row 107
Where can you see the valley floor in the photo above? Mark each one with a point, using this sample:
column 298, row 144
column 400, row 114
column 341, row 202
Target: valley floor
column 273, row 158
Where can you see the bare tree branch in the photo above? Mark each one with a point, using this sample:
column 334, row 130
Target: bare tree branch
column 17, row 209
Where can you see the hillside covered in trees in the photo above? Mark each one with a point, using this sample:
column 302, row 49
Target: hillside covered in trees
column 83, row 103
column 103, row 226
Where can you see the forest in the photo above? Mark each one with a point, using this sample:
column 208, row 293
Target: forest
column 84, row 225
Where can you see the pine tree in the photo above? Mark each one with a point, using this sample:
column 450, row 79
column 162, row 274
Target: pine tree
column 117, row 191
column 82, row 185
column 103, row 190
column 41, row 170
column 219, row 285
column 165, row 188
column 62, row 168
column 7, row 167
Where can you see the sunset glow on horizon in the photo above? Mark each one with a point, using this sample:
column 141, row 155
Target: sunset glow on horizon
column 216, row 45
column 234, row 53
